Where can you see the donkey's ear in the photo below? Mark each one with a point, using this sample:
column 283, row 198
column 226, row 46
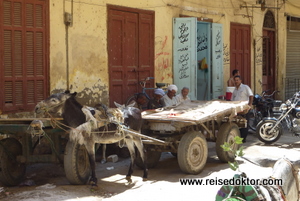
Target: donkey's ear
column 74, row 94
column 118, row 105
column 131, row 105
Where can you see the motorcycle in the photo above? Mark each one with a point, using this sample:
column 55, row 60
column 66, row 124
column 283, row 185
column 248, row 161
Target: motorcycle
column 270, row 129
column 263, row 106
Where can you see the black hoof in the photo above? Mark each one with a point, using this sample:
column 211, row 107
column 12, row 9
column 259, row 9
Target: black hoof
column 93, row 182
column 128, row 178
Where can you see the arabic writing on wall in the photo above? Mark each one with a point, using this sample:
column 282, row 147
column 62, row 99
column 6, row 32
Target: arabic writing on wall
column 218, row 45
column 226, row 54
column 259, row 56
column 184, row 59
column 183, row 33
column 183, row 66
column 202, row 42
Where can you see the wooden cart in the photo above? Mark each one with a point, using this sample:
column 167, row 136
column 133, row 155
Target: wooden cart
column 185, row 129
column 17, row 147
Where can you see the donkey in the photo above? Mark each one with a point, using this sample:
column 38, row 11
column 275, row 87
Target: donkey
column 78, row 117
column 283, row 170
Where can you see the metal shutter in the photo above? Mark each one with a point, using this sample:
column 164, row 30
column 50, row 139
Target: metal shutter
column 293, row 55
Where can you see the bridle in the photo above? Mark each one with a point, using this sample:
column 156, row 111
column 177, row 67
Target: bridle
column 46, row 109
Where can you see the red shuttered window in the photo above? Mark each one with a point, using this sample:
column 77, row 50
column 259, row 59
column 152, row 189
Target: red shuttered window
column 23, row 54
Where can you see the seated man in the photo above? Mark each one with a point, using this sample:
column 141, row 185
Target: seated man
column 140, row 102
column 155, row 102
column 183, row 95
column 169, row 99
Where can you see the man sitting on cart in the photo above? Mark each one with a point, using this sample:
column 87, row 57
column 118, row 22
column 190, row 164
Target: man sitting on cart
column 156, row 101
column 169, row 99
column 140, row 102
column 183, row 96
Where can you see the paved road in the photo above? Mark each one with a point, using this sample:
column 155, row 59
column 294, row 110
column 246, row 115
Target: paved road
column 163, row 183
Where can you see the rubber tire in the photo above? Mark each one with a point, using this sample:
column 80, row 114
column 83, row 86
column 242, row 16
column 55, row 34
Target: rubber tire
column 261, row 128
column 152, row 159
column 12, row 172
column 254, row 121
column 226, row 133
column 192, row 152
column 76, row 163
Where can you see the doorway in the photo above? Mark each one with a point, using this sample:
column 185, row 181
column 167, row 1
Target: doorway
column 240, row 58
column 269, row 59
column 130, row 51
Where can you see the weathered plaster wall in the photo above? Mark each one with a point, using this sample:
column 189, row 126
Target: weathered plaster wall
column 87, row 40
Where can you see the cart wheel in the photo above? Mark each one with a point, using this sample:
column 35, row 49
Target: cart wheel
column 152, row 159
column 76, row 163
column 226, row 133
column 192, row 152
column 12, row 172
column 130, row 99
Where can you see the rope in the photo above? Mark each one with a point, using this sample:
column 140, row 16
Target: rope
column 53, row 147
column 46, row 109
column 120, row 129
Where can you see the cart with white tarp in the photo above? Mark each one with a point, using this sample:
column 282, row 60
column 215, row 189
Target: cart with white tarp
column 185, row 129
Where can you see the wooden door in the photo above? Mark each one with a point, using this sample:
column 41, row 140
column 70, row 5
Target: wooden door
column 268, row 65
column 130, row 51
column 240, row 35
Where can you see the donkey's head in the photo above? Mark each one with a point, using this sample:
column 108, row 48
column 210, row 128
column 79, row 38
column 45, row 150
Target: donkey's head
column 131, row 116
column 55, row 103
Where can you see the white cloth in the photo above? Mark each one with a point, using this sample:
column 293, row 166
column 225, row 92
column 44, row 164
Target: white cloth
column 166, row 101
column 242, row 93
column 172, row 87
column 180, row 98
column 159, row 92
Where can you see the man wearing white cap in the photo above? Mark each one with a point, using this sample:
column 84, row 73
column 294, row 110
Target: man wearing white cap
column 155, row 102
column 170, row 99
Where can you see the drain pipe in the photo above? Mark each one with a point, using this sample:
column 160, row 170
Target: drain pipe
column 68, row 20
column 277, row 58
column 254, row 45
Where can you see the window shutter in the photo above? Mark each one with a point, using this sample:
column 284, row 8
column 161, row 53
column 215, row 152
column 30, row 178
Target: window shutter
column 23, row 75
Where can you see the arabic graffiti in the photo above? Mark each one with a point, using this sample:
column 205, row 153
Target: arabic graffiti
column 183, row 33
column 162, row 58
column 218, row 38
column 202, row 42
column 259, row 56
column 218, row 45
column 183, row 63
column 183, row 49
column 226, row 54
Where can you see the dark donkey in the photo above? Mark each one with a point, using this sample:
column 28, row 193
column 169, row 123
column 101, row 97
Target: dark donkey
column 86, row 131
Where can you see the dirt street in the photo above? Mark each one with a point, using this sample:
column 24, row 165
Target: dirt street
column 47, row 181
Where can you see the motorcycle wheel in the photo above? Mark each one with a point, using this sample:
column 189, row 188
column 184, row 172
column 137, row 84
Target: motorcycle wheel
column 254, row 119
column 263, row 131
